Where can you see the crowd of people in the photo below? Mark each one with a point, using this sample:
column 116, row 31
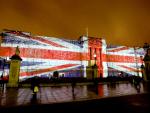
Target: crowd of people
column 3, row 81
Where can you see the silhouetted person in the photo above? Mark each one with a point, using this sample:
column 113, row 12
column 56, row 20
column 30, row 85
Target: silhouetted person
column 136, row 82
column 55, row 74
column 73, row 84
column 34, row 87
column 2, row 81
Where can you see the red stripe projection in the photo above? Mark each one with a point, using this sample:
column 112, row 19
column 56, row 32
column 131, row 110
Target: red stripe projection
column 38, row 39
column 129, row 68
column 48, row 42
column 44, row 54
column 63, row 55
column 118, row 49
column 122, row 59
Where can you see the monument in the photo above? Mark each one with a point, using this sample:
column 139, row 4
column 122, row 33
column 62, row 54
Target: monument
column 14, row 69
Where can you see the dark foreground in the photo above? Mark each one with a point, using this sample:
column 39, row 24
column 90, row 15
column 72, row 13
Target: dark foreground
column 138, row 103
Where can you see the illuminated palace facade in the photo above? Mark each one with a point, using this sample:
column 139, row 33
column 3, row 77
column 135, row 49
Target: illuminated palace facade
column 42, row 55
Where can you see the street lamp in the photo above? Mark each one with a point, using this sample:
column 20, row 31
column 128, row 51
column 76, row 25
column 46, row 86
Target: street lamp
column 136, row 60
column 94, row 59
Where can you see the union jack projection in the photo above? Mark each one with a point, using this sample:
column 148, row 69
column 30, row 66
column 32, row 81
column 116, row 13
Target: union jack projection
column 127, row 60
column 42, row 55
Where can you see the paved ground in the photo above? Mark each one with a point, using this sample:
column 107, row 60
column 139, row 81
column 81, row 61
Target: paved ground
column 85, row 98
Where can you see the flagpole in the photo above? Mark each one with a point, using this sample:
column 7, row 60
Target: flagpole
column 87, row 32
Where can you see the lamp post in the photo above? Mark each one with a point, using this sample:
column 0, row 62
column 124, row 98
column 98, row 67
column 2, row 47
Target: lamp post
column 136, row 61
column 95, row 69
column 94, row 59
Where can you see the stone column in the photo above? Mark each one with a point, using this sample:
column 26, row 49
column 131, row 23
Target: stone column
column 147, row 64
column 14, row 69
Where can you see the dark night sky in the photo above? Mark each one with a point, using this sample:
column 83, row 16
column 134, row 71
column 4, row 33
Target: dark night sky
column 120, row 22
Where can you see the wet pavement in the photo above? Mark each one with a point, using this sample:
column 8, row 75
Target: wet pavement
column 10, row 97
